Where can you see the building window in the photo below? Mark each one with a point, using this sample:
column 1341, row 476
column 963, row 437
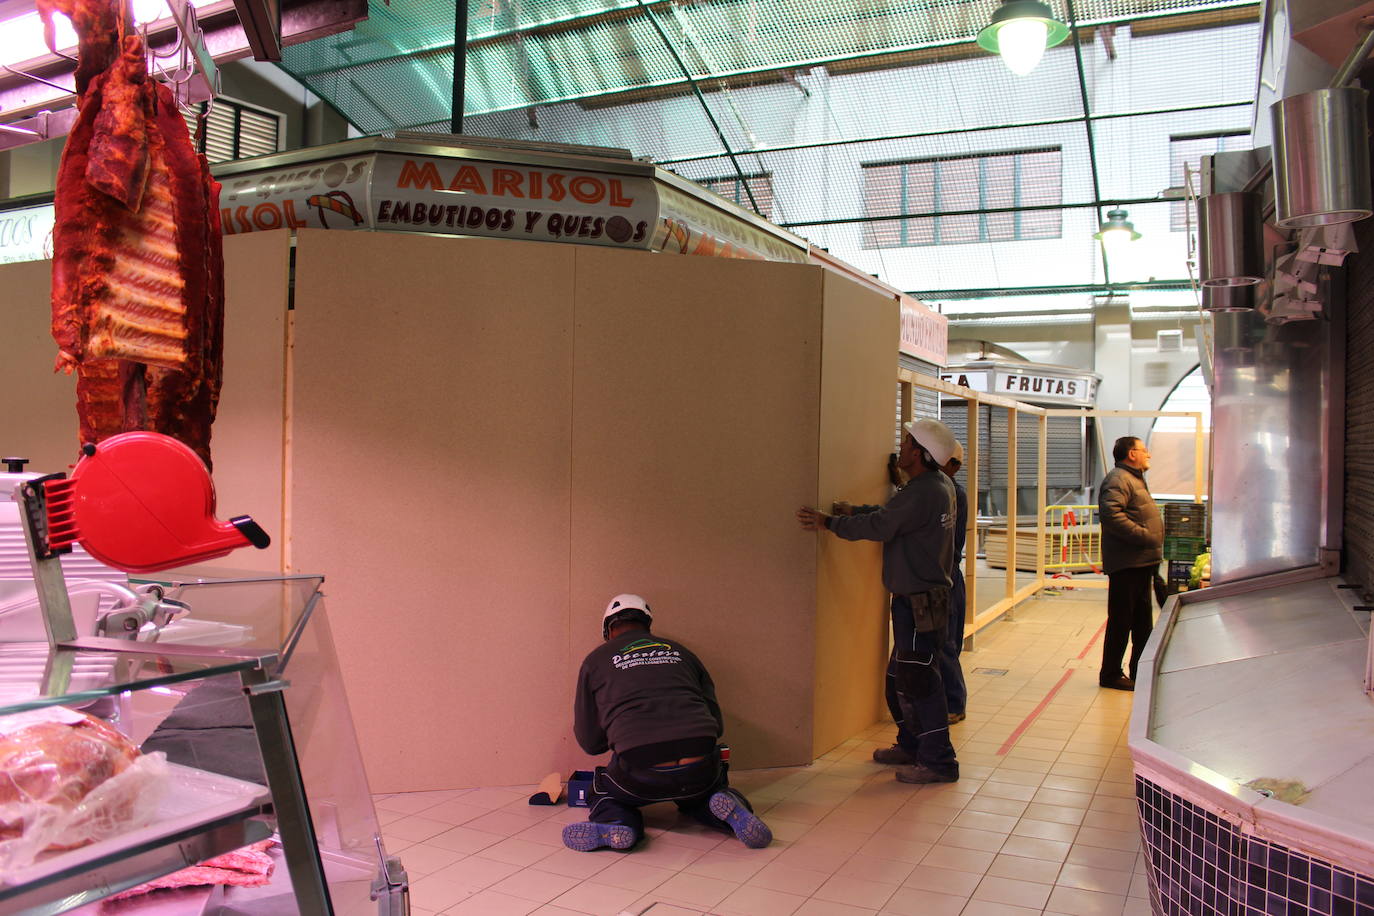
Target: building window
column 1188, row 151
column 235, row 130
column 732, row 188
column 993, row 181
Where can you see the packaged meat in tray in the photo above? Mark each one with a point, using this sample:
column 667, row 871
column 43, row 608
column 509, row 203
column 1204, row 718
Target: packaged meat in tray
column 68, row 779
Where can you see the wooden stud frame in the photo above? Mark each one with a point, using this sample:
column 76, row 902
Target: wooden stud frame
column 1013, row 595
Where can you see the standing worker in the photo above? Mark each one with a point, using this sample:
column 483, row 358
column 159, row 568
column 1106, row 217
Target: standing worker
column 956, row 691
column 651, row 702
column 1132, row 547
column 916, row 528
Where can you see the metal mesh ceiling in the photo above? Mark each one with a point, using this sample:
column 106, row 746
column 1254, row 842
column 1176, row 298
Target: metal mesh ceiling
column 805, row 98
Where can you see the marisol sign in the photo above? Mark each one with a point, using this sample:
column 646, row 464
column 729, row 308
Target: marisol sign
column 397, row 192
column 327, row 195
column 422, row 194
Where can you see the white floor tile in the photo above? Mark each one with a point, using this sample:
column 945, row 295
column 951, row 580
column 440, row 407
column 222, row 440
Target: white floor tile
column 1042, row 822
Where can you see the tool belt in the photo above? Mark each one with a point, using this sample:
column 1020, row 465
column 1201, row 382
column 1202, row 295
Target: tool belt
column 930, row 610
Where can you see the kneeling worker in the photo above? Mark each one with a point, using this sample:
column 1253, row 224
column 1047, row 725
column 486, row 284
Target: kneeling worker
column 651, row 703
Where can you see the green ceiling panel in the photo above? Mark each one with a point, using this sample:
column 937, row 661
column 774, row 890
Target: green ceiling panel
column 805, row 95
column 537, row 53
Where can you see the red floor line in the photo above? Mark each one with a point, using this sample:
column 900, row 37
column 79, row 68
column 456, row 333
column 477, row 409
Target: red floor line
column 1096, row 636
column 1025, row 723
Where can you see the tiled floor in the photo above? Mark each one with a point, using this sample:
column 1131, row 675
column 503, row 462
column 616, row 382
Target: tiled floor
column 1041, row 822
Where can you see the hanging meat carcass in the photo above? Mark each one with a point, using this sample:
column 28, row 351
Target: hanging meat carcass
column 138, row 284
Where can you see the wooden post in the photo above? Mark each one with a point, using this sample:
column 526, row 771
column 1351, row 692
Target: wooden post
column 1042, row 427
column 1198, row 458
column 1011, row 502
column 971, row 538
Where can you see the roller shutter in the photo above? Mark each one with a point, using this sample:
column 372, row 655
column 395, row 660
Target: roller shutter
column 924, row 401
column 1066, row 438
column 1358, row 539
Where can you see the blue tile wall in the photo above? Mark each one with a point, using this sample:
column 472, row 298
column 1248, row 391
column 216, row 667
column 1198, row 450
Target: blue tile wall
column 1202, row 865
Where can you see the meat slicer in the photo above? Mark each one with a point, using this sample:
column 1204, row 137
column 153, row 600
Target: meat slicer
column 138, row 502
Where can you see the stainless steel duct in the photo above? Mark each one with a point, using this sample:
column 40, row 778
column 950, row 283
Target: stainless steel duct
column 1228, row 298
column 1230, row 239
column 1321, row 158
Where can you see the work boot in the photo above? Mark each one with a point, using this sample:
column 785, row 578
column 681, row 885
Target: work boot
column 892, row 756
column 746, row 825
column 920, row 774
column 589, row 835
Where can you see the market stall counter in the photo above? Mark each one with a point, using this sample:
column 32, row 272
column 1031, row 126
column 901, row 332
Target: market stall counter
column 1253, row 743
column 227, row 739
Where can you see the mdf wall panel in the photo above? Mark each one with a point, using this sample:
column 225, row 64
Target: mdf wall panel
column 248, row 439
column 38, row 419
column 430, row 428
column 858, row 361
column 38, row 407
column 695, row 422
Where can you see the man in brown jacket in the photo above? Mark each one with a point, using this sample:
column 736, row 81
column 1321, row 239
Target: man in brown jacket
column 1132, row 548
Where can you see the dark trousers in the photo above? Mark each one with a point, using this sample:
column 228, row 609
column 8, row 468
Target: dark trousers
column 618, row 792
column 915, row 691
column 956, row 692
column 1130, row 615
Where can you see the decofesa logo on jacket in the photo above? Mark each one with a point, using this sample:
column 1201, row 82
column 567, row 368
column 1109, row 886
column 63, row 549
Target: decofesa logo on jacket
column 645, row 652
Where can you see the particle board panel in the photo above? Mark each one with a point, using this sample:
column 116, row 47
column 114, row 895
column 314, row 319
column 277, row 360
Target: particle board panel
column 861, row 331
column 430, row 424
column 695, row 425
column 248, row 439
column 38, row 412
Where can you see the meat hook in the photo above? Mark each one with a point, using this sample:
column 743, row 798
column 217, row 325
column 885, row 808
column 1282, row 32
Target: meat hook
column 36, row 79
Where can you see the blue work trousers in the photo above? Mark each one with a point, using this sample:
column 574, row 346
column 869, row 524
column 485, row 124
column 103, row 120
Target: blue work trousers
column 915, row 691
column 618, row 792
column 956, row 691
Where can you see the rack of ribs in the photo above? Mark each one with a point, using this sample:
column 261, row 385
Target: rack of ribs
column 138, row 282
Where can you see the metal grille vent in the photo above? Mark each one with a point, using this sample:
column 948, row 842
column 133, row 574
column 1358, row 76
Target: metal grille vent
column 1170, row 341
column 1156, row 375
column 236, row 130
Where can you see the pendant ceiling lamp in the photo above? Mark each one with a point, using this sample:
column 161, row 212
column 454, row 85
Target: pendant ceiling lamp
column 1020, row 32
column 1116, row 231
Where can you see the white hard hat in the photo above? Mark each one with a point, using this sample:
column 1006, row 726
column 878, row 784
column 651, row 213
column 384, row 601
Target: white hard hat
column 934, row 437
column 626, row 602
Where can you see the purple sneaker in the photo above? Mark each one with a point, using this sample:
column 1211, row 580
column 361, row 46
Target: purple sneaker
column 750, row 831
column 589, row 835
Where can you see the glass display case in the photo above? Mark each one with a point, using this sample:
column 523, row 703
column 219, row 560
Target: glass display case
column 235, row 681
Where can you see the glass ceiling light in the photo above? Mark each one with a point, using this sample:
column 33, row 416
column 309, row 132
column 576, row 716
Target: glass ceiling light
column 1116, row 231
column 1020, row 31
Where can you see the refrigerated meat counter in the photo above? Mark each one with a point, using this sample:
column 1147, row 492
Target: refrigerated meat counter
column 222, row 701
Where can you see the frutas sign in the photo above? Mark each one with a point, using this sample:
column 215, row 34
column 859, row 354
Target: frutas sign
column 1031, row 386
column 1022, row 385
